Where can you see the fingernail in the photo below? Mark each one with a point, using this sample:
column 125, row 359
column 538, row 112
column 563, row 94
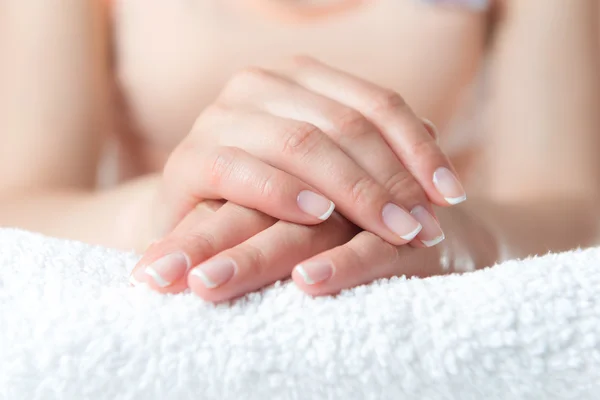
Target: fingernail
column 137, row 277
column 432, row 233
column 133, row 281
column 432, row 129
column 449, row 186
column 168, row 269
column 400, row 222
column 315, row 271
column 215, row 272
column 315, row 204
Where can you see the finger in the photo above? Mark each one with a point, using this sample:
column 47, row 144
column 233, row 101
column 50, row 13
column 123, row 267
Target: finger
column 364, row 258
column 233, row 174
column 403, row 131
column 164, row 267
column 359, row 139
column 302, row 150
column 265, row 258
column 431, row 129
column 202, row 211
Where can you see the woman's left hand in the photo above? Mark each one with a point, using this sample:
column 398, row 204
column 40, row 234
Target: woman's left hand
column 245, row 250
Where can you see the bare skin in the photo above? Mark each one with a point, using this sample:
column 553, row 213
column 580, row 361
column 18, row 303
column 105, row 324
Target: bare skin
column 539, row 172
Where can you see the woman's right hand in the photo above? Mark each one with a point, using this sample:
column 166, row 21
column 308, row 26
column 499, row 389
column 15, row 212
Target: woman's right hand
column 297, row 141
column 243, row 250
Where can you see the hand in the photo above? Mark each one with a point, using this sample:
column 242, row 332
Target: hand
column 294, row 141
column 246, row 250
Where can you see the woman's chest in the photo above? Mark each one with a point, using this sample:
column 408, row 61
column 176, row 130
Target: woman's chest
column 173, row 57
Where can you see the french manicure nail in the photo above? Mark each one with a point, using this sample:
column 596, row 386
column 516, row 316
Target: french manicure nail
column 449, row 186
column 168, row 269
column 400, row 222
column 315, row 271
column 215, row 273
column 432, row 233
column 315, row 204
column 137, row 277
column 133, row 281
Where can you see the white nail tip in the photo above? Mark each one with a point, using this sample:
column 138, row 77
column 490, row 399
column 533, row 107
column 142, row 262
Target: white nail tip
column 204, row 278
column 328, row 213
column 412, row 234
column 455, row 200
column 304, row 275
column 157, row 278
column 134, row 281
column 433, row 242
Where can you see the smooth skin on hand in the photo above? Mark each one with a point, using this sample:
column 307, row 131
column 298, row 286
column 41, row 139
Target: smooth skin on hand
column 294, row 142
column 298, row 141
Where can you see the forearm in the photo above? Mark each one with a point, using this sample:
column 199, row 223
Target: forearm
column 544, row 121
column 118, row 218
column 53, row 80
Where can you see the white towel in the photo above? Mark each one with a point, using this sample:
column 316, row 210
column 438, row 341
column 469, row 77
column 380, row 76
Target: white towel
column 71, row 327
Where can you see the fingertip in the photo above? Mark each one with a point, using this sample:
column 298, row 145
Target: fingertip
column 138, row 275
column 315, row 277
column 456, row 200
column 401, row 223
column 201, row 291
column 449, row 186
column 133, row 281
column 435, row 241
column 413, row 234
column 329, row 211
column 315, row 205
column 205, row 287
column 315, row 290
column 214, row 296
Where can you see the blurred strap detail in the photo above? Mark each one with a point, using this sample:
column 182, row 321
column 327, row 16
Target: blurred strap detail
column 308, row 10
column 475, row 5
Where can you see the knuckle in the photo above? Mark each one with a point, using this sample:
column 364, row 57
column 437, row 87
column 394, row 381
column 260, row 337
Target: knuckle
column 268, row 186
column 364, row 191
column 220, row 165
column 202, row 242
column 256, row 259
column 301, row 139
column 385, row 101
column 352, row 124
column 425, row 149
column 402, row 184
column 370, row 246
